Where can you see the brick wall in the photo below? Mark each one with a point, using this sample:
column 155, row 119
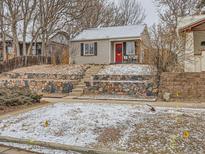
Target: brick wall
column 186, row 86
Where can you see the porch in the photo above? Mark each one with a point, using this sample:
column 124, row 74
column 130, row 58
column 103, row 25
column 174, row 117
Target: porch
column 126, row 52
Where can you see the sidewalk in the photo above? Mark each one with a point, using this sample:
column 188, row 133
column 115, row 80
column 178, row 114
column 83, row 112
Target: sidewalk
column 195, row 105
column 12, row 150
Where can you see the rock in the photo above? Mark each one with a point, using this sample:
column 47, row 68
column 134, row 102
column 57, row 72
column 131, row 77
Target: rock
column 166, row 96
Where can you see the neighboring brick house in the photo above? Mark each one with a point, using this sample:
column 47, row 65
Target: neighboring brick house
column 192, row 31
column 109, row 45
column 56, row 44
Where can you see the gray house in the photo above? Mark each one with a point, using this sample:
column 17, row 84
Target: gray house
column 110, row 45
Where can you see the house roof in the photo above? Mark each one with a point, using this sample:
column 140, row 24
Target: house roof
column 114, row 32
column 189, row 21
column 29, row 37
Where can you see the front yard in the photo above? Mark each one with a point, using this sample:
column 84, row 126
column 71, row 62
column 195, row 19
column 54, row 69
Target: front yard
column 119, row 127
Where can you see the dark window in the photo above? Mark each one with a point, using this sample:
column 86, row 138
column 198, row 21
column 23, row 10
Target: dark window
column 96, row 48
column 203, row 43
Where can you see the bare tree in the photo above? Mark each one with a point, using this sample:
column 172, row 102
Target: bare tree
column 27, row 9
column 2, row 30
column 171, row 10
column 130, row 12
column 164, row 54
column 168, row 45
column 12, row 15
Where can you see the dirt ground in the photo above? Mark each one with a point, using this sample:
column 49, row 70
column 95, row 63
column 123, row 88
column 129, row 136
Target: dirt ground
column 6, row 110
column 169, row 134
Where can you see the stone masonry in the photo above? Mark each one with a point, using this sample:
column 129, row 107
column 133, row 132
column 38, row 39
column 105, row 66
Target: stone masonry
column 143, row 86
column 45, row 79
column 183, row 86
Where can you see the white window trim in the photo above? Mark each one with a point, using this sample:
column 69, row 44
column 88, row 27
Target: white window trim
column 88, row 54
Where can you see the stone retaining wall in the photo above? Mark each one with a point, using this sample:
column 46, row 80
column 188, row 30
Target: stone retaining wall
column 186, row 86
column 13, row 75
column 136, row 86
column 124, row 77
column 40, row 86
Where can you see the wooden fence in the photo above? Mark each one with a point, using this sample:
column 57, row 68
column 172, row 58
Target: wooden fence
column 23, row 61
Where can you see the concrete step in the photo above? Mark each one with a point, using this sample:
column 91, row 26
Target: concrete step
column 86, row 79
column 78, row 90
column 76, row 94
column 81, row 86
column 91, row 73
column 70, row 97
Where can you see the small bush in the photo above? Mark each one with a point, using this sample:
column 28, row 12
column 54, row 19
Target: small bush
column 18, row 96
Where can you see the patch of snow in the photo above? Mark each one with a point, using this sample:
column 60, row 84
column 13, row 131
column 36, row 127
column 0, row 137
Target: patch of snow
column 53, row 69
column 76, row 124
column 111, row 32
column 188, row 20
column 128, row 69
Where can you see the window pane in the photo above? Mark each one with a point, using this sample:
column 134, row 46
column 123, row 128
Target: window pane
column 86, row 48
column 92, row 48
column 130, row 48
column 89, row 49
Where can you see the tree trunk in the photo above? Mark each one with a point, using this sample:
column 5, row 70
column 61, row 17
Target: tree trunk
column 15, row 41
column 24, row 45
column 5, row 57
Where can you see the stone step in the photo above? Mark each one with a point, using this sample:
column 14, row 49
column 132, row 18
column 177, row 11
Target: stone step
column 87, row 77
column 96, row 69
column 76, row 94
column 80, row 85
column 78, row 90
column 91, row 73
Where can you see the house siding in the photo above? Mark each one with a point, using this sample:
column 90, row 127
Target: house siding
column 103, row 53
column 146, row 47
column 189, row 63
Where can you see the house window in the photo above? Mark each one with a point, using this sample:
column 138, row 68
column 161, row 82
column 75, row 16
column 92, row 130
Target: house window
column 38, row 49
column 89, row 49
column 130, row 48
column 34, row 49
column 203, row 43
column 10, row 50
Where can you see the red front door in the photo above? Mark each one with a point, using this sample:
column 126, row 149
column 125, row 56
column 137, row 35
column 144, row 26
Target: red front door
column 118, row 53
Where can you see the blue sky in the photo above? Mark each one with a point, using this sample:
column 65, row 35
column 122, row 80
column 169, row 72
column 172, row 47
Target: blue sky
column 151, row 11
